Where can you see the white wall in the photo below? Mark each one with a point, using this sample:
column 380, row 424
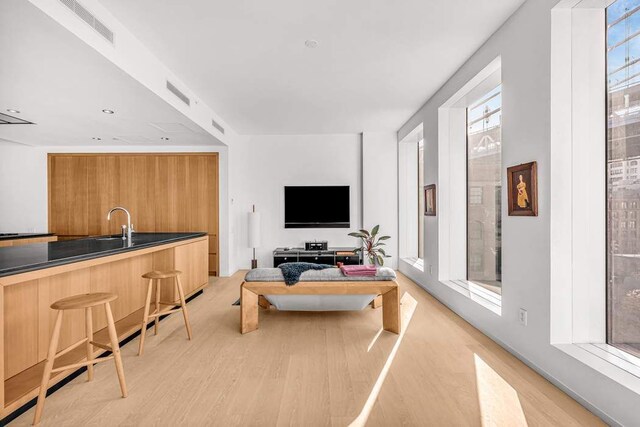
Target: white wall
column 261, row 166
column 524, row 44
column 23, row 187
column 380, row 188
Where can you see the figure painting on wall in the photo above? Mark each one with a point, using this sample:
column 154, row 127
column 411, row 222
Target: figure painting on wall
column 523, row 198
column 430, row 200
column 523, row 191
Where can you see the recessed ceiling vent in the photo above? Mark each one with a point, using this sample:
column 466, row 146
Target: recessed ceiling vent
column 6, row 119
column 217, row 126
column 89, row 18
column 174, row 90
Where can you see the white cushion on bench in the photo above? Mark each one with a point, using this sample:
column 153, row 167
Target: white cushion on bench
column 319, row 302
column 326, row 275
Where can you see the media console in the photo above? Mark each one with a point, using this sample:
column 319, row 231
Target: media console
column 331, row 256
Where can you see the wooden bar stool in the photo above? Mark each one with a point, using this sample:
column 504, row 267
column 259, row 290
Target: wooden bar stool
column 86, row 302
column 157, row 276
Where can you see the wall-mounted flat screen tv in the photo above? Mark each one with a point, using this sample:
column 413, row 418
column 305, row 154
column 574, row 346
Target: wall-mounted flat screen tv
column 316, row 207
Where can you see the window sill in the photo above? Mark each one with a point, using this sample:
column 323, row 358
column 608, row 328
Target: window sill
column 478, row 294
column 417, row 263
column 611, row 362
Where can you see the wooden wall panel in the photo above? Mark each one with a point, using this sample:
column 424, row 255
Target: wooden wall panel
column 165, row 260
column 20, row 327
column 189, row 259
column 164, row 192
column 68, row 195
column 103, row 185
column 51, row 289
column 136, row 192
column 123, row 278
column 212, row 202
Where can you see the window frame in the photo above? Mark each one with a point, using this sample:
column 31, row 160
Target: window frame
column 453, row 193
column 420, row 195
column 473, row 105
column 409, row 191
column 578, row 270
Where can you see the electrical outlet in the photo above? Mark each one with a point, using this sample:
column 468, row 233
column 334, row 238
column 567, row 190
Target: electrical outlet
column 522, row 317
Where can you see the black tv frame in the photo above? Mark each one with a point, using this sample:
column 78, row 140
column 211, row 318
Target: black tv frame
column 318, row 224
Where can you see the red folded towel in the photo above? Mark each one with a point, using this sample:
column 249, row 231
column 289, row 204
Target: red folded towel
column 358, row 270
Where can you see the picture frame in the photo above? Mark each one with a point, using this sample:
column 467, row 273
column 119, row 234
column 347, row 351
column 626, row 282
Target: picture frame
column 522, row 189
column 430, row 200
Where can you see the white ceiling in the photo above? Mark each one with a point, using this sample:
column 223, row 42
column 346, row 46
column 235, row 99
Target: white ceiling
column 377, row 61
column 61, row 84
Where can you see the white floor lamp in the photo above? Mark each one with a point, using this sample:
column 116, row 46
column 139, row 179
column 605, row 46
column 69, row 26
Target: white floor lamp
column 254, row 234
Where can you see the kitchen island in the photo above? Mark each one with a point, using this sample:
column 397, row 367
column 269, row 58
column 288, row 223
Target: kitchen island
column 34, row 276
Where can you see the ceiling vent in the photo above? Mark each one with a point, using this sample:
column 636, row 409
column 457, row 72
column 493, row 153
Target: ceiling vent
column 217, row 126
column 174, row 90
column 6, row 119
column 89, row 18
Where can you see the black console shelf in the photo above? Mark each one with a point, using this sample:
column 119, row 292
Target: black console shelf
column 331, row 256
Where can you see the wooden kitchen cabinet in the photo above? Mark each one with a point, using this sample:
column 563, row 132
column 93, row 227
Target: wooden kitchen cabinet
column 172, row 192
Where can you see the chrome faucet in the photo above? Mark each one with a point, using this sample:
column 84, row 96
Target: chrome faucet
column 127, row 230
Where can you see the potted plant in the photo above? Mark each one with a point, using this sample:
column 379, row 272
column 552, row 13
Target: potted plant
column 371, row 245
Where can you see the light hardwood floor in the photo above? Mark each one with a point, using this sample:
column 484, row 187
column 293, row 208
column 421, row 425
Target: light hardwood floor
column 308, row 369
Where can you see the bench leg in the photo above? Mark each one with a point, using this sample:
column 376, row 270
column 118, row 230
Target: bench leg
column 391, row 311
column 263, row 302
column 248, row 310
column 377, row 302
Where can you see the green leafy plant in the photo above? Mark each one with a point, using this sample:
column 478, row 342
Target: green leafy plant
column 372, row 244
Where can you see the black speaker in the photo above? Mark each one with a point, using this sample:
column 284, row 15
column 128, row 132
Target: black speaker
column 316, row 246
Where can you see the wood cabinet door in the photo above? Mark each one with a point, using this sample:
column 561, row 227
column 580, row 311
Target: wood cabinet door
column 103, row 187
column 136, row 191
column 172, row 193
column 68, row 195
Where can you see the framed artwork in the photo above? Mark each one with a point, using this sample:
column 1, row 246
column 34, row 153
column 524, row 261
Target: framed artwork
column 430, row 200
column 522, row 181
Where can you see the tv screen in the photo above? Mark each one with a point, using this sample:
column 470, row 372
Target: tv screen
column 316, row 207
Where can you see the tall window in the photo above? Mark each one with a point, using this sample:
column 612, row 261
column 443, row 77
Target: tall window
column 420, row 199
column 484, row 190
column 410, row 210
column 623, row 182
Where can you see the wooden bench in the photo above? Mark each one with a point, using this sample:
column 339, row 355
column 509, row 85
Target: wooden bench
column 251, row 297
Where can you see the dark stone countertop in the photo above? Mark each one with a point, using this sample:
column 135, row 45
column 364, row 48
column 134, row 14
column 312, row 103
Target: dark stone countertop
column 14, row 236
column 37, row 256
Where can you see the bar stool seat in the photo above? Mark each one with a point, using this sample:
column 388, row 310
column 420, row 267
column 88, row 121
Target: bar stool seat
column 83, row 301
column 86, row 302
column 161, row 274
column 157, row 276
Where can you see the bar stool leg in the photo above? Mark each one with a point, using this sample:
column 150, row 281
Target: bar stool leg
column 157, row 318
column 183, row 304
column 145, row 317
column 89, row 330
column 48, row 366
column 115, row 348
